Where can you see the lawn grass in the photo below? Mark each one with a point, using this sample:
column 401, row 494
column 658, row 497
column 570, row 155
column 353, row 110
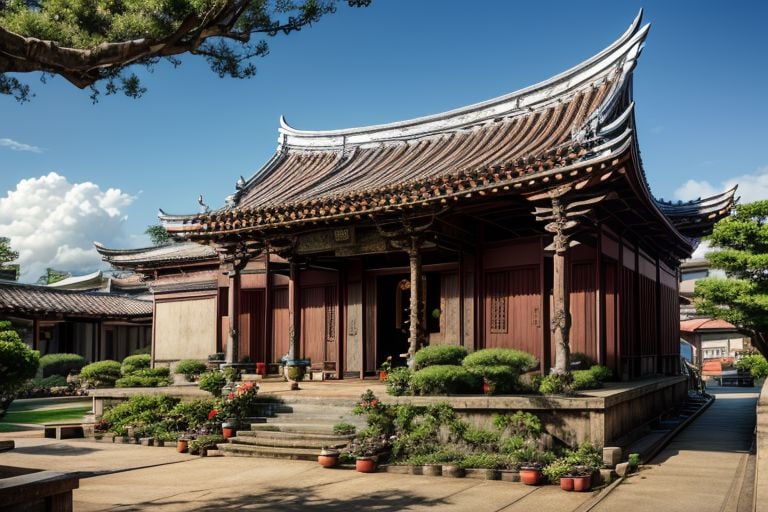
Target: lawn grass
column 40, row 417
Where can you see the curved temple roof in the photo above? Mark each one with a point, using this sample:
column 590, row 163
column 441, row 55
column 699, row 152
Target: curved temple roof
column 157, row 255
column 520, row 141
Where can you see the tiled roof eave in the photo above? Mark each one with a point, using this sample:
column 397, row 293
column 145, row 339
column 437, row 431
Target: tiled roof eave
column 489, row 180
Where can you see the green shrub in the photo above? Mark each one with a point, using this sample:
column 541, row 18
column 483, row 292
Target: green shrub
column 557, row 469
column 756, row 365
column 145, row 378
column 190, row 368
column 485, row 460
column 18, row 363
column 586, row 454
column 344, row 429
column 518, row 360
column 554, row 384
column 634, row 460
column 445, row 380
column 399, row 381
column 439, row 355
column 523, row 424
column 146, row 413
column 188, row 415
column 480, row 438
column 133, row 364
column 212, row 382
column 101, row 374
column 584, row 379
column 52, row 381
column 205, row 442
column 61, row 364
column 600, row 373
column 501, row 379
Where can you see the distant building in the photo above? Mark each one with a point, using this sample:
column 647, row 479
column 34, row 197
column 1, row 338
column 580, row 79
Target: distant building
column 95, row 325
column 714, row 339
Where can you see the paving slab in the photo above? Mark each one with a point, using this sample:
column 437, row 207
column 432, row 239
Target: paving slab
column 700, row 469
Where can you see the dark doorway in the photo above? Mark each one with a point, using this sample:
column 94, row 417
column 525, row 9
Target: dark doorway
column 392, row 318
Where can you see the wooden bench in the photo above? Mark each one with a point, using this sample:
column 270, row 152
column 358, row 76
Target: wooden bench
column 323, row 372
column 64, row 430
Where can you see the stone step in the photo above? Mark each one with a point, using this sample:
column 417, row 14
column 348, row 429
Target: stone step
column 314, row 418
column 292, row 426
column 247, row 450
column 290, row 439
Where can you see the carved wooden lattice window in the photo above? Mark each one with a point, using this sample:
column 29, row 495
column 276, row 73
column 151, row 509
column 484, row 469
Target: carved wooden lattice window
column 498, row 291
column 330, row 314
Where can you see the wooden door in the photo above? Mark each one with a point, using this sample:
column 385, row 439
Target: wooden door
column 279, row 323
column 319, row 329
column 251, row 325
column 513, row 316
column 583, row 336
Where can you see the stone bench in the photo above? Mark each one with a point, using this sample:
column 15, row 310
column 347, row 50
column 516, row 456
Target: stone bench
column 64, row 430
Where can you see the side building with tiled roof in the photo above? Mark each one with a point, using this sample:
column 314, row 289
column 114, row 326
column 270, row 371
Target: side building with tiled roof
column 525, row 221
column 95, row 325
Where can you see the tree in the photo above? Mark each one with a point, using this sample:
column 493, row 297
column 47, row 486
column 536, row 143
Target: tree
column 158, row 234
column 18, row 364
column 52, row 276
column 97, row 41
column 742, row 299
column 7, row 255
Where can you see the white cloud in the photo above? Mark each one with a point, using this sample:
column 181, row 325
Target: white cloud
column 19, row 146
column 53, row 223
column 752, row 187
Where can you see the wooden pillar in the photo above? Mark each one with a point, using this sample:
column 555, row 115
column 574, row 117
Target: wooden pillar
column 414, row 257
column 294, row 312
column 561, row 315
column 233, row 312
column 267, row 350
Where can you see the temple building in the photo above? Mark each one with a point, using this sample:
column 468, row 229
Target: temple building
column 524, row 221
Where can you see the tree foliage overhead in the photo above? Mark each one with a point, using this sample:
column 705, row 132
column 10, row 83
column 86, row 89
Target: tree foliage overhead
column 18, row 363
column 742, row 299
column 7, row 254
column 157, row 234
column 91, row 41
column 52, row 276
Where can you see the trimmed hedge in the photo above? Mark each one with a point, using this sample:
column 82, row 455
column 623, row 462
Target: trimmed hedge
column 439, row 355
column 145, row 378
column 101, row 374
column 133, row 364
column 518, row 360
column 190, row 368
column 61, row 364
column 445, row 380
column 590, row 379
column 502, row 379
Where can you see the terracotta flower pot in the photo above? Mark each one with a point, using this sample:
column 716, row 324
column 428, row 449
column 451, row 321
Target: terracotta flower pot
column 365, row 464
column 228, row 432
column 328, row 458
column 486, row 387
column 182, row 445
column 582, row 483
column 383, row 375
column 566, row 483
column 530, row 476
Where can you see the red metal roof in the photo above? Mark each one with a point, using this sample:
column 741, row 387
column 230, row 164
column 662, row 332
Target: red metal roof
column 702, row 324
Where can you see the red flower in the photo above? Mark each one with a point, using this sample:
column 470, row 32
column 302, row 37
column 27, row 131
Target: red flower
column 212, row 414
column 230, row 396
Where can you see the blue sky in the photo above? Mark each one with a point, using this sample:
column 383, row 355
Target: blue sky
column 699, row 88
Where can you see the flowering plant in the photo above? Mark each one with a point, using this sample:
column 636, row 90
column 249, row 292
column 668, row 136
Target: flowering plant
column 239, row 403
column 386, row 366
column 368, row 403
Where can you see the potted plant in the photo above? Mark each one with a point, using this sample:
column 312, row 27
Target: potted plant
column 560, row 470
column 385, row 368
column 328, row 457
column 182, row 443
column 366, row 452
column 582, row 478
column 295, row 370
column 530, row 472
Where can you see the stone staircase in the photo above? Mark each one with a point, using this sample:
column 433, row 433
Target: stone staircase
column 296, row 429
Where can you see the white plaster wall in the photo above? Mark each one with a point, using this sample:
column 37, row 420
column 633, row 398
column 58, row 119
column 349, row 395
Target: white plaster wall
column 185, row 329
